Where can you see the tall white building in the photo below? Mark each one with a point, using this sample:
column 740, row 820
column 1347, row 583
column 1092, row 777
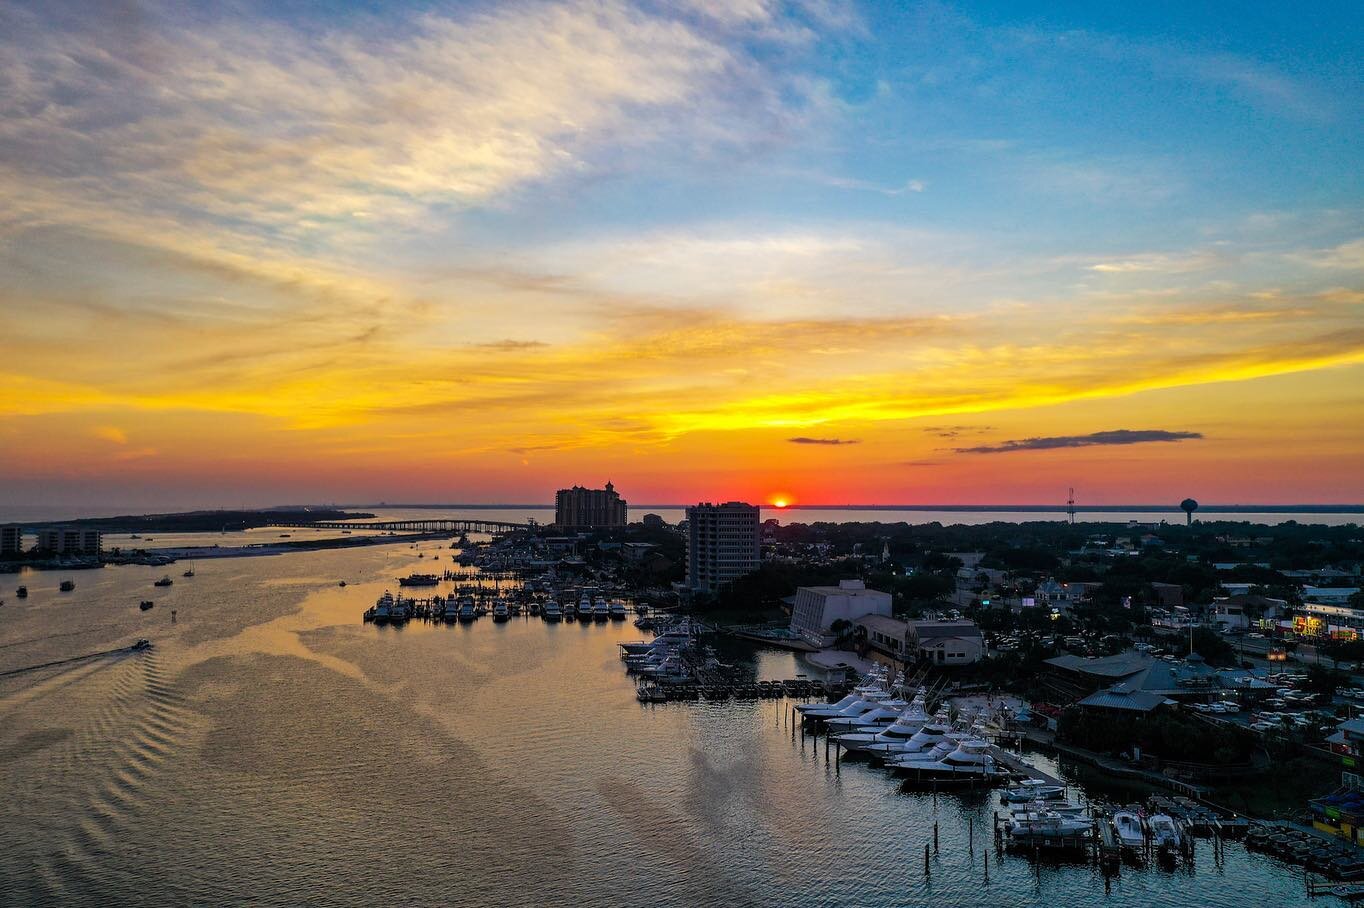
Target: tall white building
column 11, row 540
column 818, row 607
column 723, row 544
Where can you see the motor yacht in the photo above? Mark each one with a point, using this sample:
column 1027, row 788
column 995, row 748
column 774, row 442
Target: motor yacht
column 934, row 732
column 618, row 612
column 451, row 610
column 551, row 612
column 886, row 712
column 906, row 725
column 1033, row 790
column 969, row 761
column 467, row 612
column 401, row 611
column 1127, row 827
column 601, row 611
column 383, row 608
column 570, row 611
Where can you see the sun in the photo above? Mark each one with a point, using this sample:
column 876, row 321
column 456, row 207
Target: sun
column 780, row 501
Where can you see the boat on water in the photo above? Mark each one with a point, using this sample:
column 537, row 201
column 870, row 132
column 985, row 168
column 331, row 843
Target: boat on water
column 142, row 643
column 467, row 612
column 885, row 713
column 969, row 762
column 500, row 612
column 1165, row 833
column 644, row 623
column 188, row 573
column 934, row 732
column 400, row 612
column 451, row 610
column 22, row 592
column 164, row 581
column 1050, row 825
column 67, row 586
column 570, row 612
column 617, row 611
column 906, row 725
column 1033, row 790
column 1128, row 829
column 552, row 612
column 383, row 608
column 342, row 583
column 419, row 580
column 145, row 604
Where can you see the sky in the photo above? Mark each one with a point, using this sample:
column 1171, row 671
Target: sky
column 892, row 252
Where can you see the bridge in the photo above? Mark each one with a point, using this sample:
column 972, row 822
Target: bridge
column 417, row 526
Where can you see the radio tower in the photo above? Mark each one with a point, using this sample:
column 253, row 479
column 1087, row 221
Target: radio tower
column 1070, row 507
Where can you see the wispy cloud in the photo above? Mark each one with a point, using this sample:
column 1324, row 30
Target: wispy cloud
column 1111, row 437
column 806, row 440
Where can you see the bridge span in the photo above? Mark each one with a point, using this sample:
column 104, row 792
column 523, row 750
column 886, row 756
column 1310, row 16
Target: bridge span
column 417, row 526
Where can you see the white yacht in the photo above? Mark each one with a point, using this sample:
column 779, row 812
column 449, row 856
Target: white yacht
column 551, row 612
column 570, row 612
column 500, row 612
column 885, row 713
column 905, row 727
column 601, row 611
column 618, row 612
column 969, row 761
column 934, row 732
column 1127, row 827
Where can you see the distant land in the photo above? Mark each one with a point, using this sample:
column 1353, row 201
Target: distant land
column 203, row 521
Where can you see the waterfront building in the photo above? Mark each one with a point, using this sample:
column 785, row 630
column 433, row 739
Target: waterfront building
column 581, row 508
column 817, row 608
column 722, row 544
column 654, row 521
column 946, row 642
column 11, row 540
column 70, row 541
column 884, row 634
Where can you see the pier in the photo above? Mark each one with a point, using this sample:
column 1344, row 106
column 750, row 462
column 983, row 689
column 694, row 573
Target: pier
column 461, row 525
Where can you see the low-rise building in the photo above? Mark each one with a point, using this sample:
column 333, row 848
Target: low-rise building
column 70, row 541
column 886, row 635
column 816, row 608
column 946, row 642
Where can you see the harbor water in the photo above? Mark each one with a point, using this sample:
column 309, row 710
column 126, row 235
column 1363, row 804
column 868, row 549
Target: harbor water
column 272, row 749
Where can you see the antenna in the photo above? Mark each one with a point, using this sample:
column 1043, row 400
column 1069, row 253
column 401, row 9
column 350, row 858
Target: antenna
column 1070, row 507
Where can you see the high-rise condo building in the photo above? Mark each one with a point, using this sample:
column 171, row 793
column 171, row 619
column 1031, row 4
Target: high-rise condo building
column 580, row 508
column 723, row 544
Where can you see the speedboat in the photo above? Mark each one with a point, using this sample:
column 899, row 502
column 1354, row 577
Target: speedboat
column 500, row 612
column 1164, row 832
column 1033, row 790
column 1127, row 827
column 618, row 611
column 551, row 612
column 22, row 592
column 145, row 604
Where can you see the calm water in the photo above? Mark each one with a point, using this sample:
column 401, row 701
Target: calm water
column 274, row 750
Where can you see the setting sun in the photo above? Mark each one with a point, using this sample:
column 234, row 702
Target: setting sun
column 780, row 502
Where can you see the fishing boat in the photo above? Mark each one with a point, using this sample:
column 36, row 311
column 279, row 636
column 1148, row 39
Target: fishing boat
column 617, row 611
column 500, row 612
column 145, row 604
column 551, row 612
column 1050, row 826
column 164, row 581
column 1164, row 832
column 22, row 592
column 383, row 608
column 467, row 612
column 1127, row 827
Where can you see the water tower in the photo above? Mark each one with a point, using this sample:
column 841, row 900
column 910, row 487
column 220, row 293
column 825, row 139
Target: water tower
column 1188, row 506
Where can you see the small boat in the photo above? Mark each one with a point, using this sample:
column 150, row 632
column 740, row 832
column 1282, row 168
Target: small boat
column 67, row 586
column 143, row 643
column 601, row 611
column 22, row 592
column 500, row 612
column 342, row 583
column 570, row 611
column 188, row 573
column 552, row 612
column 164, row 581
column 145, row 604
column 283, row 535
column 1033, row 790
column 383, row 608
column 1048, row 825
column 1164, row 833
column 617, row 611
column 466, row 610
column 1127, row 827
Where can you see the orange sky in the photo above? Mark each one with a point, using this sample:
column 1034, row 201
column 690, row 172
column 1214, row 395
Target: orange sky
column 486, row 255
